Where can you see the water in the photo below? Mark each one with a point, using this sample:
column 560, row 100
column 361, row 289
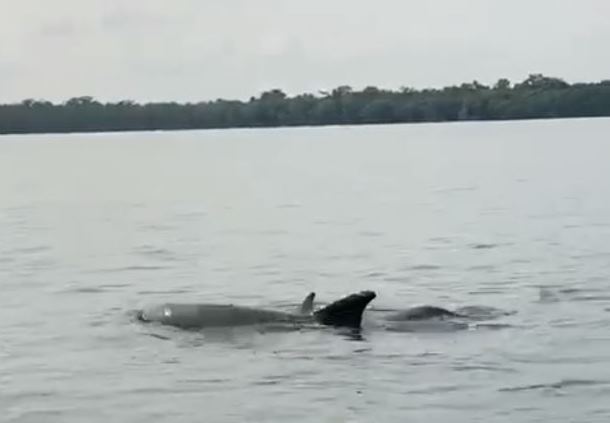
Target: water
column 509, row 215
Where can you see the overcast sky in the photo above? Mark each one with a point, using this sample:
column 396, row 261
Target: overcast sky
column 189, row 50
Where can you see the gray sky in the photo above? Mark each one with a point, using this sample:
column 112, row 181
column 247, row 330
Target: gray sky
column 189, row 50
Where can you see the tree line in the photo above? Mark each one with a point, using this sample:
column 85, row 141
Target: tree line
column 538, row 96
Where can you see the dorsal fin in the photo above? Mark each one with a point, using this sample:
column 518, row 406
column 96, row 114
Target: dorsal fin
column 307, row 305
column 347, row 311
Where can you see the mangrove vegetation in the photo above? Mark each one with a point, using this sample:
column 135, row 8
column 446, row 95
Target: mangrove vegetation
column 536, row 97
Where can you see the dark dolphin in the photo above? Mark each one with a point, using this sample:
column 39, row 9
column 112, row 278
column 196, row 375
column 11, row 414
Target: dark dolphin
column 346, row 312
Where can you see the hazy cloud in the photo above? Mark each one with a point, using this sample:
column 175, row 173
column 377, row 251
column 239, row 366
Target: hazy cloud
column 192, row 50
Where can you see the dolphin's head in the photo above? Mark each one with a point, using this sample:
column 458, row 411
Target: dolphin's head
column 157, row 313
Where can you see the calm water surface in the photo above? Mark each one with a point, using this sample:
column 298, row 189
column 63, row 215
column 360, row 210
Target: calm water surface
column 512, row 215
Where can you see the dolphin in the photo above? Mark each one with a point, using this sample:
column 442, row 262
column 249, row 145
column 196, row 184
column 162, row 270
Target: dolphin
column 345, row 312
column 422, row 313
column 428, row 312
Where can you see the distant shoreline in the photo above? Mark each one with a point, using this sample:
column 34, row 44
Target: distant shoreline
column 128, row 131
column 537, row 97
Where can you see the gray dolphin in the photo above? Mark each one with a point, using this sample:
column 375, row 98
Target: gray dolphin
column 307, row 304
column 346, row 312
column 422, row 313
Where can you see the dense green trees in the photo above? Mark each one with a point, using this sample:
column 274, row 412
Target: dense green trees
column 538, row 96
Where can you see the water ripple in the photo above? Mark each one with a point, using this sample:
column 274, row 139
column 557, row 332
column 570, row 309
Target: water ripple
column 136, row 268
column 555, row 386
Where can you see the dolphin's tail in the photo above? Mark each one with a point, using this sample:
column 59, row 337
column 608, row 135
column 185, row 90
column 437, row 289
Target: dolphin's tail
column 347, row 311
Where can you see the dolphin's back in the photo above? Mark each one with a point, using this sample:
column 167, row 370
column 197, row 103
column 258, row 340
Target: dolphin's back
column 421, row 312
column 345, row 312
column 210, row 315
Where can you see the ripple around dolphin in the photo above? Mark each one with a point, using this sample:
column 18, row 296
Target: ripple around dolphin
column 478, row 312
column 427, row 326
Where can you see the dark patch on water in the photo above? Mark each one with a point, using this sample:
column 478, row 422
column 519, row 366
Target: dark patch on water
column 84, row 290
column 113, row 285
column 493, row 326
column 375, row 274
column 556, row 386
column 435, row 390
column 134, row 268
column 272, row 380
column 158, row 336
column 484, row 246
column 165, row 292
column 602, row 298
